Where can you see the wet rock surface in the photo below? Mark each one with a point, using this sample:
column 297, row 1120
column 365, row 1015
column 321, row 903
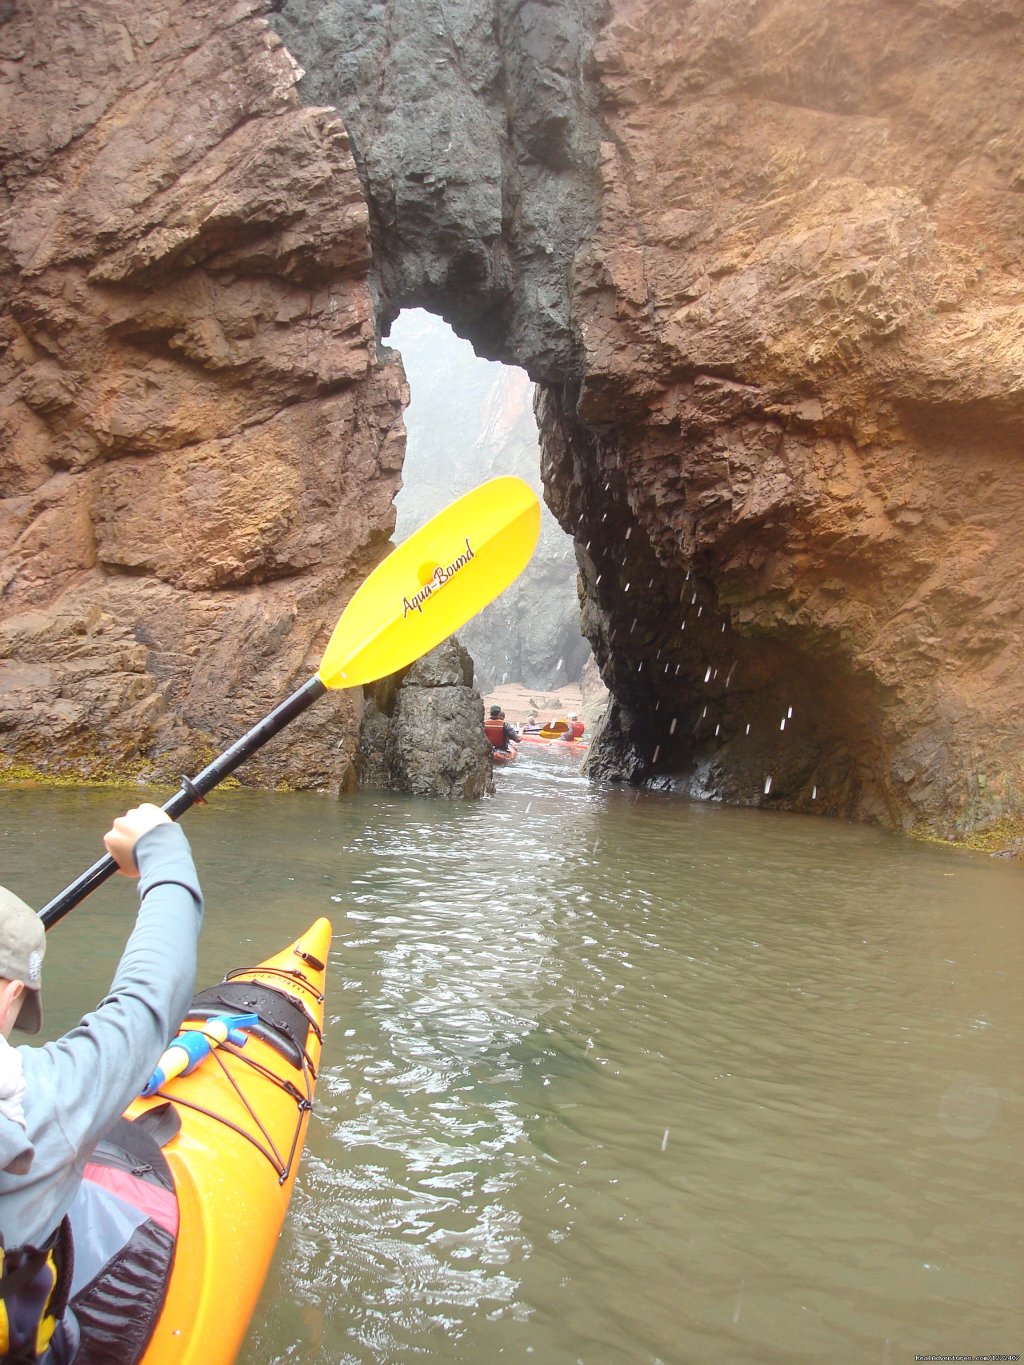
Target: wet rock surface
column 472, row 127
column 423, row 730
column 765, row 262
column 198, row 446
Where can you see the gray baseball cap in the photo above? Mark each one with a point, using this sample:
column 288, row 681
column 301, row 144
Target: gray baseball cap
column 22, row 946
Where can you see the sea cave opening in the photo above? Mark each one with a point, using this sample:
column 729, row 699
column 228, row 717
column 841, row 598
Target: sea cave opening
column 469, row 420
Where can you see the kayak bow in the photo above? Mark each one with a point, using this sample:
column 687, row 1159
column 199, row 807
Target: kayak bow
column 244, row 1114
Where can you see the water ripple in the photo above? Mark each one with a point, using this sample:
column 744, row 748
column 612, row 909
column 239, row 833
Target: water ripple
column 611, row 1077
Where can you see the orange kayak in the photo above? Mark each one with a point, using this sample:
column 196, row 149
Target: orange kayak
column 244, row 1113
column 554, row 739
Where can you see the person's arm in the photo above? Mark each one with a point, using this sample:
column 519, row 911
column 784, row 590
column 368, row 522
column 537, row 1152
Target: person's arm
column 102, row 1063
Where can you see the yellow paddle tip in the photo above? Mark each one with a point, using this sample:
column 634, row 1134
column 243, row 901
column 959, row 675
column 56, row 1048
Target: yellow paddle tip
column 434, row 582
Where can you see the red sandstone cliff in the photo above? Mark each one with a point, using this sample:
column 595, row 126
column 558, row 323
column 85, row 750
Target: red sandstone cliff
column 801, row 317
column 198, row 450
column 762, row 256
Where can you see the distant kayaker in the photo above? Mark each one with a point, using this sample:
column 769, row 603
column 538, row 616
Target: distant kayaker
column 499, row 731
column 59, row 1099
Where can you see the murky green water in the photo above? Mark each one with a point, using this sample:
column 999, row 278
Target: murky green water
column 614, row 1078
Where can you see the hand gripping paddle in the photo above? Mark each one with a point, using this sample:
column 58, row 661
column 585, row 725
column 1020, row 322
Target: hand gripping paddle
column 428, row 587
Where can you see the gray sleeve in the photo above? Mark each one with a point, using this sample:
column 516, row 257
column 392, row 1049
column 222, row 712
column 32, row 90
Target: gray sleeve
column 102, row 1063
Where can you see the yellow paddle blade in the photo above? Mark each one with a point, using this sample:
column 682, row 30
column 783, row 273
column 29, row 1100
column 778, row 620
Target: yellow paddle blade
column 434, row 582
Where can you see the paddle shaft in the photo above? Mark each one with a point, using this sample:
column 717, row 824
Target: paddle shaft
column 477, row 545
column 192, row 789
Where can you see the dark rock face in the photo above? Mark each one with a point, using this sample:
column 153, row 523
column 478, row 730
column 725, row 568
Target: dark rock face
column 423, row 729
column 472, row 125
column 765, row 261
column 198, row 446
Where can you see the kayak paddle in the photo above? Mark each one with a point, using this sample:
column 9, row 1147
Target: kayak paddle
column 425, row 589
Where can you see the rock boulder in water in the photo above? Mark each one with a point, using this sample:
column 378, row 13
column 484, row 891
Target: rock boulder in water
column 423, row 729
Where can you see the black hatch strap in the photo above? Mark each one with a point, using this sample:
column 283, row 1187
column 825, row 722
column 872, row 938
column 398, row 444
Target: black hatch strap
column 282, row 1024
